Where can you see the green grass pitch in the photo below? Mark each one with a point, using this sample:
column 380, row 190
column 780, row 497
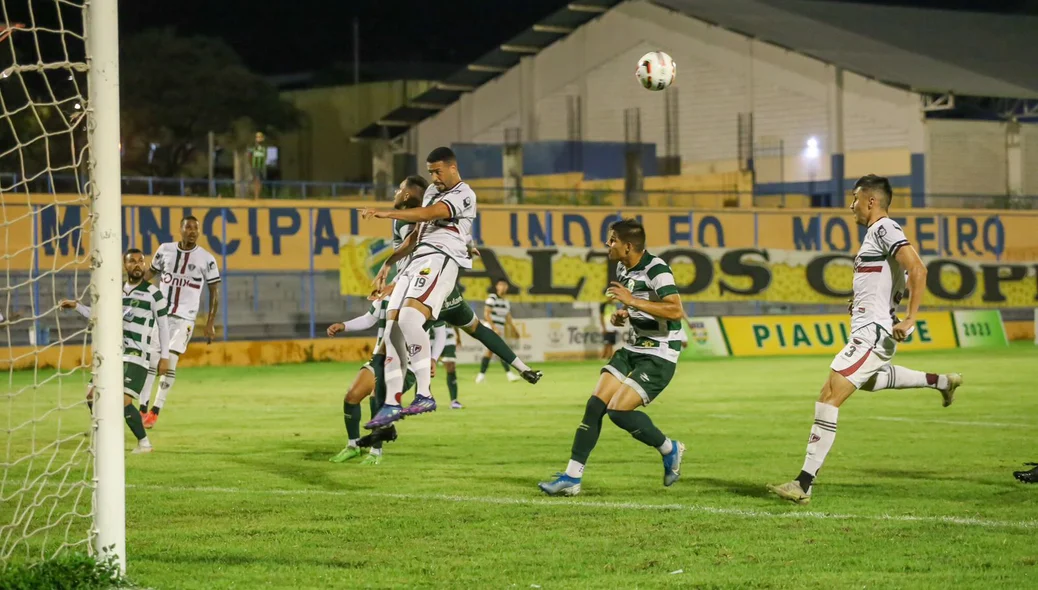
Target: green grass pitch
column 240, row 493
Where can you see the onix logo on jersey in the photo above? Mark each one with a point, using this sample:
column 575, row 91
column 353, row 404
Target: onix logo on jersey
column 177, row 281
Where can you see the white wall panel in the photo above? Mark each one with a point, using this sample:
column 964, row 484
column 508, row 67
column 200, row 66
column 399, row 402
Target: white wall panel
column 966, row 157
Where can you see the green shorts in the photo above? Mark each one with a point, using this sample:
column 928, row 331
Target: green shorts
column 449, row 354
column 409, row 378
column 456, row 311
column 647, row 374
column 134, row 377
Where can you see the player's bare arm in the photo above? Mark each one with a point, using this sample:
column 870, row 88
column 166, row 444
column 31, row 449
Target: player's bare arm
column 669, row 308
column 433, row 212
column 400, row 253
column 619, row 317
column 909, row 260
column 214, row 305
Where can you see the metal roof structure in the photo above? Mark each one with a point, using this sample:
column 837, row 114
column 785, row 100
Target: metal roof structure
column 920, row 49
column 491, row 65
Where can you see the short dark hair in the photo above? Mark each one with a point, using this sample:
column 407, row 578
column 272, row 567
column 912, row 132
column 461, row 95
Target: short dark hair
column 416, row 181
column 630, row 231
column 880, row 184
column 501, row 280
column 132, row 251
column 442, row 154
column 187, row 219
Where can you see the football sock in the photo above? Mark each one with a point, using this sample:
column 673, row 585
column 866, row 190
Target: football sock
column 640, row 426
column 396, row 360
column 378, row 364
column 494, row 343
column 166, row 384
column 586, row 438
column 895, row 377
column 375, row 407
column 484, row 365
column 666, row 448
column 823, row 434
column 452, row 385
column 411, row 322
column 351, row 416
column 133, row 420
column 149, row 385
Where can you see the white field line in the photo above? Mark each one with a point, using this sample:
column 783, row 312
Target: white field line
column 737, row 512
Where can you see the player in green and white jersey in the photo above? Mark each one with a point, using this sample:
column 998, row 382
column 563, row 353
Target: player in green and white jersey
column 144, row 308
column 639, row 371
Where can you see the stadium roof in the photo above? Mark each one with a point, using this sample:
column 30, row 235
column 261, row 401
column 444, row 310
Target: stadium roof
column 924, row 50
column 507, row 55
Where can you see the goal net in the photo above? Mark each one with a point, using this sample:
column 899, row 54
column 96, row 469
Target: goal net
column 59, row 155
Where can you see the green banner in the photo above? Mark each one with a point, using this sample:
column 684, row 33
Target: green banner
column 980, row 328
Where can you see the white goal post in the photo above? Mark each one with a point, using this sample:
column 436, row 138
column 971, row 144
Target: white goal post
column 62, row 467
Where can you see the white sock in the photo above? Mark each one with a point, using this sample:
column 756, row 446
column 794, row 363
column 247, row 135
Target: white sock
column 823, row 433
column 574, row 469
column 149, row 384
column 352, row 442
column 895, row 377
column 144, row 442
column 411, row 321
column 520, row 365
column 666, row 448
column 396, row 356
column 376, row 452
column 166, row 382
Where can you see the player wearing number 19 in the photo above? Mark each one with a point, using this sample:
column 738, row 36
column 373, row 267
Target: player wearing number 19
column 880, row 269
column 638, row 372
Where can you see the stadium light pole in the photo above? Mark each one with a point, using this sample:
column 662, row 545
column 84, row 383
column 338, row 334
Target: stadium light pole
column 102, row 45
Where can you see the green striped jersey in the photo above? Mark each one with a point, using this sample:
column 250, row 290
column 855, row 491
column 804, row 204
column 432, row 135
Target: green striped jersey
column 143, row 305
column 379, row 309
column 652, row 280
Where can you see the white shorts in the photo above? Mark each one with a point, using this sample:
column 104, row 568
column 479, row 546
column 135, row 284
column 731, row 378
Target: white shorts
column 428, row 279
column 180, row 331
column 869, row 350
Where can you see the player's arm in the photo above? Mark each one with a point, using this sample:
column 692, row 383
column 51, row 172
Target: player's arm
column 511, row 323
column 81, row 309
column 909, row 260
column 156, row 266
column 439, row 342
column 457, row 336
column 357, row 324
column 161, row 316
column 212, row 279
column 486, row 312
column 438, row 210
column 667, row 308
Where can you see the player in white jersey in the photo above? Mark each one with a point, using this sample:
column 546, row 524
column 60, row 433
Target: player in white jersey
column 882, row 262
column 144, row 318
column 497, row 313
column 441, row 249
column 638, row 372
column 183, row 268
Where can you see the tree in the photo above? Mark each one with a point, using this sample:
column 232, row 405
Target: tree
column 174, row 90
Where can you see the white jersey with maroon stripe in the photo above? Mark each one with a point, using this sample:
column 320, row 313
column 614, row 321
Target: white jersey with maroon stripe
column 181, row 275
column 450, row 236
column 879, row 280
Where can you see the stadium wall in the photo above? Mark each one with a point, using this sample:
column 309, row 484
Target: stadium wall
column 721, row 74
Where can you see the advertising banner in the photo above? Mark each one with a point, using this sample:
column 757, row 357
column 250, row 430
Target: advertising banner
column 980, row 328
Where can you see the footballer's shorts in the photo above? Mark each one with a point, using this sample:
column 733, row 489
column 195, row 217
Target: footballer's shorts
column 429, row 279
column 134, row 376
column 180, row 331
column 870, row 349
column 409, row 378
column 449, row 354
column 647, row 374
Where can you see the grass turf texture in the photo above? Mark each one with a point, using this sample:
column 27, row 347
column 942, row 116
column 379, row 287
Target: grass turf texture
column 239, row 493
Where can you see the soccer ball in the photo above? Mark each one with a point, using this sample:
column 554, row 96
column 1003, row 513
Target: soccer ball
column 656, row 70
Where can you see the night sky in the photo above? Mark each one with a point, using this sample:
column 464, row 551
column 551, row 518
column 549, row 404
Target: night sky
column 293, row 36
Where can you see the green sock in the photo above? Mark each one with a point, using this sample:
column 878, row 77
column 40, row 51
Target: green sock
column 484, row 364
column 495, row 343
column 351, row 416
column 375, row 407
column 133, row 420
column 587, row 433
column 452, row 385
column 640, row 426
column 378, row 363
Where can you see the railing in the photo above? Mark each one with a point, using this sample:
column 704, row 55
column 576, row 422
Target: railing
column 698, row 199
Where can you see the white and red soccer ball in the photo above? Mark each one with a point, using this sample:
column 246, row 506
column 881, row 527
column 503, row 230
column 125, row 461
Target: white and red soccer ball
column 656, row 70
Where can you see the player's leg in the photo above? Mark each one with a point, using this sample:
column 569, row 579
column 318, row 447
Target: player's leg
column 452, row 382
column 896, row 377
column 484, row 364
column 389, row 376
column 362, row 386
column 495, row 344
column 852, row 367
column 149, row 382
column 166, row 382
column 1028, row 475
column 584, row 440
column 386, row 434
column 133, row 382
column 648, row 377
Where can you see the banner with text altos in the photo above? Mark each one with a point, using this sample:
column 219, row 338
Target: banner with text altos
column 822, row 334
column 708, row 275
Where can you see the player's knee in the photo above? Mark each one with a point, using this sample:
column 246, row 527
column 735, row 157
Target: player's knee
column 127, row 400
column 449, row 366
column 619, row 417
column 412, row 315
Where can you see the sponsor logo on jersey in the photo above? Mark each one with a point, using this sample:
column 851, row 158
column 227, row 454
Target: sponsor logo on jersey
column 425, row 271
column 177, row 281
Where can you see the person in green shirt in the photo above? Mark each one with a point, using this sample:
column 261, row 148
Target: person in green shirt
column 258, row 164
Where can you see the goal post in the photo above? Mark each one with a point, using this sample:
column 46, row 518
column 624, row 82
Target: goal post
column 62, row 465
column 105, row 191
